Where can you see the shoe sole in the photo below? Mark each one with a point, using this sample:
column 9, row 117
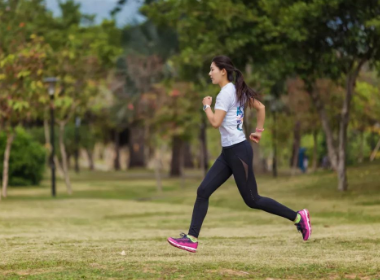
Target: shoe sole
column 189, row 249
column 307, row 215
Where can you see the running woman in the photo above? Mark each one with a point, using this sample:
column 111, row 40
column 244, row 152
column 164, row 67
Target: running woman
column 236, row 156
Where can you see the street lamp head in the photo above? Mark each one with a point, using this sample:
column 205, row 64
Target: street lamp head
column 51, row 81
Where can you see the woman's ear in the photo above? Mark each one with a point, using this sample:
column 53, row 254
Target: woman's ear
column 224, row 71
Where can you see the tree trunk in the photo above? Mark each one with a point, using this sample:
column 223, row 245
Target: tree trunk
column 274, row 140
column 147, row 155
column 90, row 159
column 201, row 158
column 345, row 118
column 373, row 140
column 10, row 138
column 332, row 153
column 182, row 165
column 188, row 157
column 342, row 177
column 338, row 157
column 157, row 170
column 361, row 147
column 68, row 155
column 151, row 151
column 175, row 166
column 64, row 157
column 374, row 152
column 76, row 139
column 136, row 146
column 116, row 162
column 203, row 140
column 315, row 150
column 58, row 167
column 296, row 146
column 76, row 161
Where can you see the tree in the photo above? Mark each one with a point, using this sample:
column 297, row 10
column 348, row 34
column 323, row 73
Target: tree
column 174, row 118
column 326, row 39
column 146, row 49
column 21, row 87
column 130, row 110
column 206, row 29
column 18, row 30
column 365, row 111
column 82, row 56
column 79, row 53
column 301, row 107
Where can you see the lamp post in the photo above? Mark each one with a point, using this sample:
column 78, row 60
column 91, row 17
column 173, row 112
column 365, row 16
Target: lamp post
column 51, row 81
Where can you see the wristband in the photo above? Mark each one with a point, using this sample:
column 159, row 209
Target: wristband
column 259, row 129
column 205, row 107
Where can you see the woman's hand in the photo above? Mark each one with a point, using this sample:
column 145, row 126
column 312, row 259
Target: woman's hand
column 255, row 137
column 207, row 100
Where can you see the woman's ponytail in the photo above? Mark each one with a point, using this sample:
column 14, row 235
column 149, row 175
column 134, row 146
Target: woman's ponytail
column 245, row 94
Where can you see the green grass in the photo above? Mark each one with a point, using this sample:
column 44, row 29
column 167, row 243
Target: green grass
column 82, row 236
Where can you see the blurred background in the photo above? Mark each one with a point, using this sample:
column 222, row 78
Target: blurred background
column 101, row 109
column 117, row 85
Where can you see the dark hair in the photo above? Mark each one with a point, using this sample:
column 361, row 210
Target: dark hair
column 243, row 92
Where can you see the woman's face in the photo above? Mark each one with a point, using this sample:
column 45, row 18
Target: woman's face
column 216, row 74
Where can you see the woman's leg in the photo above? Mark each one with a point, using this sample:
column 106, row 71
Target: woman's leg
column 240, row 159
column 215, row 177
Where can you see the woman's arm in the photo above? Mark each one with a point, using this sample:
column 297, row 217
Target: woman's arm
column 260, row 115
column 216, row 118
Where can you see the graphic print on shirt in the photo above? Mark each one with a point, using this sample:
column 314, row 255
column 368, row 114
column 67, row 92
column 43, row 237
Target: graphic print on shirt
column 240, row 118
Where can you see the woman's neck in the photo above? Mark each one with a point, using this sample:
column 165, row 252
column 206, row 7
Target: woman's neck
column 223, row 83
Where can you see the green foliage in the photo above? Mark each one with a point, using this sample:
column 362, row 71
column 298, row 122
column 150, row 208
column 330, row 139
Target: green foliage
column 320, row 39
column 208, row 28
column 177, row 112
column 87, row 137
column 21, row 74
column 148, row 39
column 366, row 105
column 27, row 159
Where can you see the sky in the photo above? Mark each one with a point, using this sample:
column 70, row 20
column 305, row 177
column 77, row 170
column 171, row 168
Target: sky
column 102, row 8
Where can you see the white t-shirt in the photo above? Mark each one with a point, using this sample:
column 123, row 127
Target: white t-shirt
column 231, row 129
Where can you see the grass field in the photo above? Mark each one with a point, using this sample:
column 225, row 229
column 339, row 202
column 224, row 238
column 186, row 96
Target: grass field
column 83, row 236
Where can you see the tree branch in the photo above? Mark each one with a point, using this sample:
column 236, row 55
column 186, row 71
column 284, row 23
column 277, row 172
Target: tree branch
column 332, row 152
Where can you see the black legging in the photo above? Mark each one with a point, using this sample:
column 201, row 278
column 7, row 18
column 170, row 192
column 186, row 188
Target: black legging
column 236, row 160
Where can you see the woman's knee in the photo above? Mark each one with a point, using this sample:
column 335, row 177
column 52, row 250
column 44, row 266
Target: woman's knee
column 202, row 192
column 253, row 203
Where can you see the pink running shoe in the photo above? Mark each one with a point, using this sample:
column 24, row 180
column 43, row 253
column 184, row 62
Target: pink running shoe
column 184, row 243
column 304, row 226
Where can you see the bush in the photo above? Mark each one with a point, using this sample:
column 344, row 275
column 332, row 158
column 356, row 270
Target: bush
column 27, row 159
